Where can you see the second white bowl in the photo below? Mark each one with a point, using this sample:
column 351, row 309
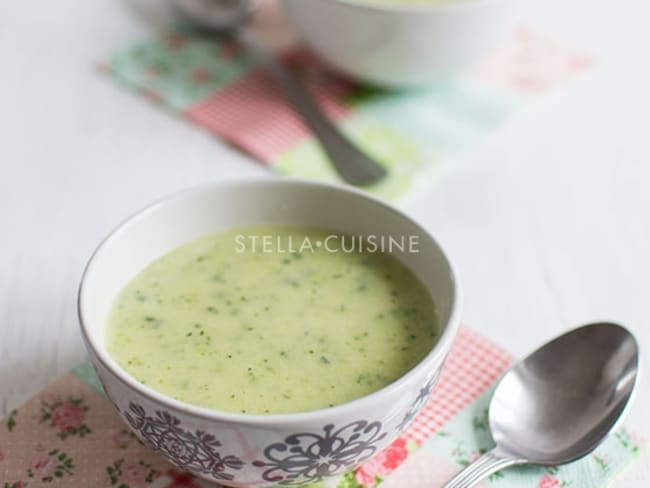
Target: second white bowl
column 392, row 44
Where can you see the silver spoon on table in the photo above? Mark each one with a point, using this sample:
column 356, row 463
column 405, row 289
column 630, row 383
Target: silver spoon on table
column 231, row 17
column 557, row 405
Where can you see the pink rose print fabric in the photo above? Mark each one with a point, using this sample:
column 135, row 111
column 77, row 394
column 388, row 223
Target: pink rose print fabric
column 384, row 463
column 548, row 481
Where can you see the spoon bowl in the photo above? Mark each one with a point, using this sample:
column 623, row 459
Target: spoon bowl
column 559, row 403
column 576, row 388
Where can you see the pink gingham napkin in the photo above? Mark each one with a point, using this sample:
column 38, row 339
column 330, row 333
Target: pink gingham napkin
column 70, row 436
column 215, row 85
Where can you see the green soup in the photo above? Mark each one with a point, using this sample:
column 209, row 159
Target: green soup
column 225, row 322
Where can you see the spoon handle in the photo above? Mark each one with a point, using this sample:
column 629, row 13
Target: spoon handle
column 489, row 463
column 352, row 164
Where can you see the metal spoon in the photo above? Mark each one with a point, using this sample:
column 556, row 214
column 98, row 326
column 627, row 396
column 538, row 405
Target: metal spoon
column 231, row 17
column 558, row 404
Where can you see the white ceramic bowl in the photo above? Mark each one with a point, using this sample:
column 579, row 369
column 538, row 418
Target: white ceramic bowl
column 261, row 450
column 389, row 44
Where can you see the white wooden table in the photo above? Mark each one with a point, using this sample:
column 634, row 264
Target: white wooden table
column 550, row 227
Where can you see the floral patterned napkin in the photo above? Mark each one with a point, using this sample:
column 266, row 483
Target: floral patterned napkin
column 70, row 436
column 216, row 86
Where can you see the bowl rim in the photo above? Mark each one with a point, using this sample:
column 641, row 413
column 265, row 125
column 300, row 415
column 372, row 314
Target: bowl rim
column 420, row 8
column 98, row 351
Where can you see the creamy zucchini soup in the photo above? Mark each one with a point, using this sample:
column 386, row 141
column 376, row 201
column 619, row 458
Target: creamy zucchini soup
column 271, row 326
